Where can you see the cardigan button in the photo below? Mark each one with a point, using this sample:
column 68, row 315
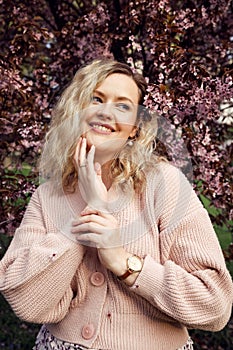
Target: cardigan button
column 97, row 279
column 88, row 331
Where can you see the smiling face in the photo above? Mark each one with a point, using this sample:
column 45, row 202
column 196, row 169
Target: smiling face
column 110, row 118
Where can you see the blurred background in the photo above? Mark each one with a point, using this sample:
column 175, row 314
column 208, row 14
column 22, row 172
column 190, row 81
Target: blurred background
column 183, row 48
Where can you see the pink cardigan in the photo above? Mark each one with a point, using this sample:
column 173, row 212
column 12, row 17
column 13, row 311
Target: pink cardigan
column 48, row 277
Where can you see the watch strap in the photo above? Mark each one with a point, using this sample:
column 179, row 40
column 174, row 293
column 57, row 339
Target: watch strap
column 125, row 275
column 128, row 271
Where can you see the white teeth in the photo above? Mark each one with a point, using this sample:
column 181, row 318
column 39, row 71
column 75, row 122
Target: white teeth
column 101, row 127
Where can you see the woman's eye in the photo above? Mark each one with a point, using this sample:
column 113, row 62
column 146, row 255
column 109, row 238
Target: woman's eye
column 96, row 99
column 123, row 106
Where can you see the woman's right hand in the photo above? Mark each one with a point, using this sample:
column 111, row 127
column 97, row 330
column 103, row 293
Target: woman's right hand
column 90, row 182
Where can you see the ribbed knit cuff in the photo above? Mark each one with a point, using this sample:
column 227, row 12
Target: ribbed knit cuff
column 150, row 281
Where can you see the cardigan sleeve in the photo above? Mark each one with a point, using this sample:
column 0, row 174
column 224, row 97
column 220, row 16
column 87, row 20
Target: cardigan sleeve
column 191, row 283
column 38, row 267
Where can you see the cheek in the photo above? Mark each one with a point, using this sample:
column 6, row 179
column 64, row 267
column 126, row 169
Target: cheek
column 127, row 122
column 131, row 121
column 89, row 112
column 128, row 128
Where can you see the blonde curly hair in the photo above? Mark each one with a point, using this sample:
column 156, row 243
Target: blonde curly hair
column 128, row 169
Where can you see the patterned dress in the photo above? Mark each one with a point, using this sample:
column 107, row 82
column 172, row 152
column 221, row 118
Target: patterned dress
column 46, row 341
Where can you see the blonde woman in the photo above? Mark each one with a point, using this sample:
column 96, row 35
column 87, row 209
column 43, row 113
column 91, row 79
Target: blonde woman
column 115, row 250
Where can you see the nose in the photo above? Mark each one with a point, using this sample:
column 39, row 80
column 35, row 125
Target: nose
column 105, row 111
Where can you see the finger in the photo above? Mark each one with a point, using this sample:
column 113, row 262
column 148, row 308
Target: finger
column 90, row 157
column 104, row 214
column 92, row 219
column 88, row 227
column 97, row 168
column 83, row 152
column 89, row 239
column 98, row 241
column 77, row 150
column 88, row 210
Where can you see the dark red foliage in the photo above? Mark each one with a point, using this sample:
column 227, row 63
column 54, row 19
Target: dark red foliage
column 184, row 48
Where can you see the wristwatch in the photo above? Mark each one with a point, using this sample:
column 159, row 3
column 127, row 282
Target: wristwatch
column 134, row 264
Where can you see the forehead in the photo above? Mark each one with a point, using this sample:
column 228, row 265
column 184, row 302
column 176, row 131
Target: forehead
column 119, row 85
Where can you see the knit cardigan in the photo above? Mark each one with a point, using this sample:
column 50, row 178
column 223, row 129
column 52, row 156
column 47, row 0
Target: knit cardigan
column 47, row 277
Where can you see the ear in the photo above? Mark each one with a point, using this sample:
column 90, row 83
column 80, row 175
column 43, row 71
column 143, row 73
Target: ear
column 133, row 132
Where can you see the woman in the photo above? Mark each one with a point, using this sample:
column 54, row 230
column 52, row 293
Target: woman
column 115, row 250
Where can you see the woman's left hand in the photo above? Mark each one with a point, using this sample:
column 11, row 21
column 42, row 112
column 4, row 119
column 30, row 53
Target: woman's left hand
column 90, row 182
column 100, row 229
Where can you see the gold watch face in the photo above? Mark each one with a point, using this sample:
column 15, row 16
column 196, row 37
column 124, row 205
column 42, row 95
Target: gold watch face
column 134, row 263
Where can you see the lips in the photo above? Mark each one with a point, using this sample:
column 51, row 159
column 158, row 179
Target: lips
column 105, row 128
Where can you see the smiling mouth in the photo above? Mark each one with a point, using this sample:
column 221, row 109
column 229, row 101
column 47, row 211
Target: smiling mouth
column 103, row 128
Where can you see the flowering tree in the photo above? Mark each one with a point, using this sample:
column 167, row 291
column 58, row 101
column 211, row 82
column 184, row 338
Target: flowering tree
column 184, row 48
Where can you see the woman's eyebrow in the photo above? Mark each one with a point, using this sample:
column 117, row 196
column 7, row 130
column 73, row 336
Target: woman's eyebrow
column 124, row 98
column 119, row 98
